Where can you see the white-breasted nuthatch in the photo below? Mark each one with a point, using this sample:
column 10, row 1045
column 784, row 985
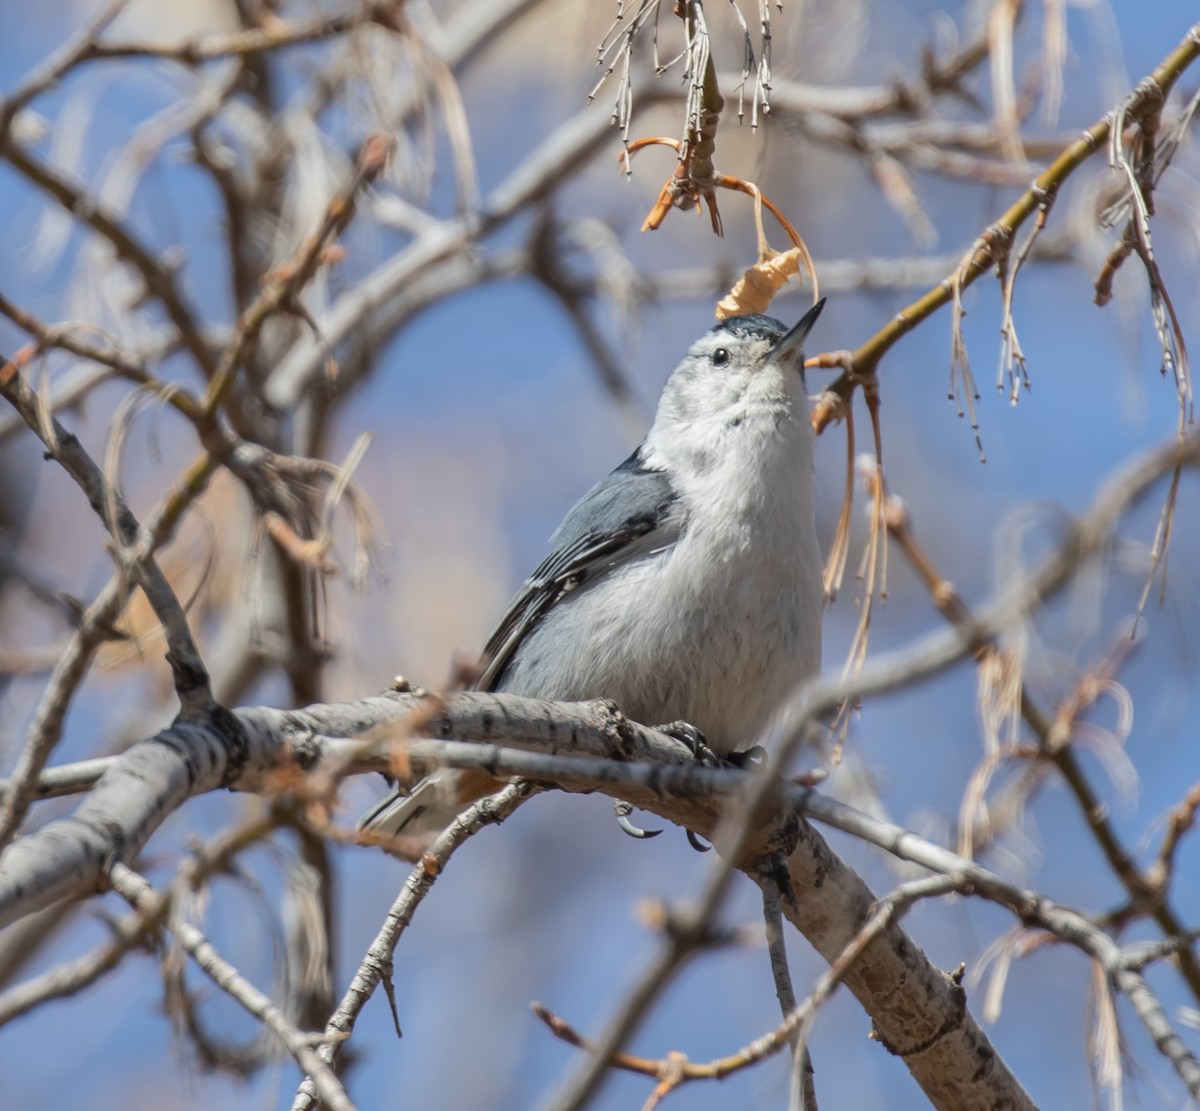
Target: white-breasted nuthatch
column 686, row 585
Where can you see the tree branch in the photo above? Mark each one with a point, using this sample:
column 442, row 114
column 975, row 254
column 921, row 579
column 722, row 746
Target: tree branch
column 140, row 895
column 863, row 362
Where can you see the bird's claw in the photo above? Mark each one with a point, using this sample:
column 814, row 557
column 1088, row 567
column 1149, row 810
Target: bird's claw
column 747, row 758
column 695, row 841
column 622, row 810
column 688, row 734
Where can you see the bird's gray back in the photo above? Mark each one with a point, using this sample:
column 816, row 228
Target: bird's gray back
column 629, row 497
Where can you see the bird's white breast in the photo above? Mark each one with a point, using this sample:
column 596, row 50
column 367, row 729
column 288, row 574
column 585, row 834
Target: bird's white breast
column 717, row 629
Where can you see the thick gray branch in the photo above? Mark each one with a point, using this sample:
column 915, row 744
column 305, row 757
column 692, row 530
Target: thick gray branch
column 220, row 749
column 917, row 1010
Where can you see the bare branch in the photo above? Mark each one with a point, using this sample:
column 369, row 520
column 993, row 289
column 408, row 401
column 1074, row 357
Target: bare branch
column 376, row 966
column 140, row 895
column 71, row 977
column 864, row 361
column 160, row 281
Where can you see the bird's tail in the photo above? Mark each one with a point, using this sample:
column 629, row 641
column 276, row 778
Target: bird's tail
column 412, row 821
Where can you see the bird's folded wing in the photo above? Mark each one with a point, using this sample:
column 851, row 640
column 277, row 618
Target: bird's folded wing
column 627, row 515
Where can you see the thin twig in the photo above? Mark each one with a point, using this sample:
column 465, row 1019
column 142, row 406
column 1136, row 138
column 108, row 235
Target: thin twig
column 376, row 966
column 863, row 362
column 68, row 978
column 159, row 280
column 140, row 895
column 1053, row 735
column 802, row 1095
column 140, row 543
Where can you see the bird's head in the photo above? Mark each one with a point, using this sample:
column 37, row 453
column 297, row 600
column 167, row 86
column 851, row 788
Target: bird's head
column 745, row 373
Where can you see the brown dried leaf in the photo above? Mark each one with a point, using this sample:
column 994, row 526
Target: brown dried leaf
column 754, row 290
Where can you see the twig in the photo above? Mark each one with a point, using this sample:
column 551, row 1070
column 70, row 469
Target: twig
column 69, row 978
column 863, row 362
column 140, row 895
column 547, row 264
column 803, row 1095
column 159, row 281
column 675, row 1069
column 112, row 361
column 70, row 779
column 1032, row 909
column 191, row 678
column 376, row 966
column 559, row 155
column 287, row 280
column 51, row 72
column 274, row 35
column 137, row 546
column 840, row 275
column 1053, row 734
column 685, row 931
column 1180, row 822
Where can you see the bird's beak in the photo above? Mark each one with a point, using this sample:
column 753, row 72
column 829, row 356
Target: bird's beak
column 791, row 345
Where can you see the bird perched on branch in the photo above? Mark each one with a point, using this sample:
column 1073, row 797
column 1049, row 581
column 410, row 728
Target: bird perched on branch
column 686, row 585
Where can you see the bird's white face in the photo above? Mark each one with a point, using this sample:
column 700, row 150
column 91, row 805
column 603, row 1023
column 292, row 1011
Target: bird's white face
column 739, row 379
column 725, row 370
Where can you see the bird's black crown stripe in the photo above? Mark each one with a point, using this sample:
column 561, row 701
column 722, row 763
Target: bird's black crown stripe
column 753, row 325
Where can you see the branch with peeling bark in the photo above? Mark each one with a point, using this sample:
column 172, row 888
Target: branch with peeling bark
column 75, row 855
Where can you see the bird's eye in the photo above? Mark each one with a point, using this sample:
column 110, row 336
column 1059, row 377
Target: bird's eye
column 720, row 357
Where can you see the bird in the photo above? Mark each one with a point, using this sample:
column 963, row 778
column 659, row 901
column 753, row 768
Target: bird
column 686, row 585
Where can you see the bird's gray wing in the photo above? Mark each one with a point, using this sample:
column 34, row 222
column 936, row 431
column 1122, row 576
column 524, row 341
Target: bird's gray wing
column 626, row 515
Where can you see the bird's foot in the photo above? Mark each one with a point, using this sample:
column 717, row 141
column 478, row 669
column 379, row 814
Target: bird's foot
column 689, row 735
column 750, row 758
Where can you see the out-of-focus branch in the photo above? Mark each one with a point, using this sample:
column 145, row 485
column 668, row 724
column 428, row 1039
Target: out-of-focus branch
column 69, row 779
column 160, row 281
column 52, row 71
column 275, row 34
column 294, row 275
column 685, row 932
column 676, row 1069
column 803, row 1095
column 134, row 556
column 558, row 156
column 191, row 678
column 838, row 275
column 71, row 977
column 21, row 942
column 546, row 262
column 1032, row 908
column 110, row 358
column 1053, row 734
